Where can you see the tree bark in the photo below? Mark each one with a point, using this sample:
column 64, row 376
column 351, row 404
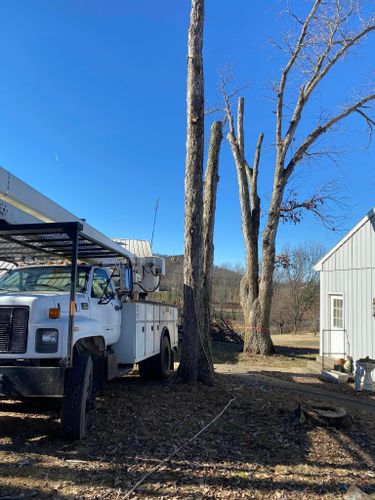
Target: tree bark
column 193, row 323
column 206, row 369
column 260, row 341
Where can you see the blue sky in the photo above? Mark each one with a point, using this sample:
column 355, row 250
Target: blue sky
column 92, row 112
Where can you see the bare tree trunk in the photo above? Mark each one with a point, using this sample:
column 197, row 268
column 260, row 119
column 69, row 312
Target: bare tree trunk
column 206, row 370
column 260, row 339
column 254, row 289
column 329, row 23
column 193, row 325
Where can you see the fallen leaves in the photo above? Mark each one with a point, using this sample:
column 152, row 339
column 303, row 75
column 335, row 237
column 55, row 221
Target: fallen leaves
column 256, row 449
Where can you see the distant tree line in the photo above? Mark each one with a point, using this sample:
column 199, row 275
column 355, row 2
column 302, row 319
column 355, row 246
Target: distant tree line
column 295, row 306
column 225, row 287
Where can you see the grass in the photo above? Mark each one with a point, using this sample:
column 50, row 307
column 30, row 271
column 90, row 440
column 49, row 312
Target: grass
column 291, row 352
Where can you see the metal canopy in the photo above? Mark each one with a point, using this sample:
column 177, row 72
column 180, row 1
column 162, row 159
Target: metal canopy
column 51, row 241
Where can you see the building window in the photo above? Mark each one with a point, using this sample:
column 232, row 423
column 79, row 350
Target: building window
column 337, row 308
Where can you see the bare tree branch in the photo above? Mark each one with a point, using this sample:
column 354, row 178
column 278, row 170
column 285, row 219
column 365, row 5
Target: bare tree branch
column 370, row 124
column 321, row 129
column 284, row 76
column 240, row 164
column 240, row 129
column 319, row 70
column 257, row 156
column 318, row 75
column 320, row 204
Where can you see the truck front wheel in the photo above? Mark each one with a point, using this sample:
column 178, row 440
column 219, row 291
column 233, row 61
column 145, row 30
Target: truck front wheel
column 77, row 398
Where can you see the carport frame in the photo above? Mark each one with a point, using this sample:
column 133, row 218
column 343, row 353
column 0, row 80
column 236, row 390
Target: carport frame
column 65, row 240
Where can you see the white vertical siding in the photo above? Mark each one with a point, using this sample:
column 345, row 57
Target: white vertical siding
column 350, row 271
column 343, row 255
column 330, row 264
column 372, row 243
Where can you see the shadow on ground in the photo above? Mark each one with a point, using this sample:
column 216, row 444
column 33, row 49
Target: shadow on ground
column 307, row 353
column 256, row 449
column 224, row 352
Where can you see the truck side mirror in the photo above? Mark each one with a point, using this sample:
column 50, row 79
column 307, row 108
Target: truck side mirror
column 126, row 279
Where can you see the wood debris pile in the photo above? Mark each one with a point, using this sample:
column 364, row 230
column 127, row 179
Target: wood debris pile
column 222, row 331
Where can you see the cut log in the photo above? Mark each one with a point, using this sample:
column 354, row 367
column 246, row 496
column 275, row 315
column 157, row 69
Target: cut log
column 323, row 414
column 334, row 376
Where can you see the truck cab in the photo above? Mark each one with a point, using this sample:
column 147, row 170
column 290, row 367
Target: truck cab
column 34, row 310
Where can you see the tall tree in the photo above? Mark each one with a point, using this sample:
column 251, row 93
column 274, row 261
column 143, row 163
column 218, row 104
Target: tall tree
column 330, row 31
column 196, row 361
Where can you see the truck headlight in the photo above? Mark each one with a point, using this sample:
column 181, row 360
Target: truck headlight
column 46, row 340
column 49, row 336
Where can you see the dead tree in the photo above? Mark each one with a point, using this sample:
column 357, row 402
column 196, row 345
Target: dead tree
column 193, row 259
column 209, row 209
column 329, row 32
column 196, row 362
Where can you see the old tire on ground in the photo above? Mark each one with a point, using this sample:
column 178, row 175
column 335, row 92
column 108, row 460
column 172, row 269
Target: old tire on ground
column 323, row 414
column 77, row 398
column 162, row 363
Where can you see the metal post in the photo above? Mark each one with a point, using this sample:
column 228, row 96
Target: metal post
column 72, row 299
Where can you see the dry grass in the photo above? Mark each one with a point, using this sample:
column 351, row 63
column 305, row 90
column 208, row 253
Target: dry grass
column 292, row 354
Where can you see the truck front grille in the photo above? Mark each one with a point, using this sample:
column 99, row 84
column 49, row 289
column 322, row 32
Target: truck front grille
column 13, row 329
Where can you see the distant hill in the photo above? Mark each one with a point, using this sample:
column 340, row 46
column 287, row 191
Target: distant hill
column 226, row 284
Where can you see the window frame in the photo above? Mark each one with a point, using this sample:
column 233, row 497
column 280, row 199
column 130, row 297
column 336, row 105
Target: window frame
column 110, row 291
column 334, row 307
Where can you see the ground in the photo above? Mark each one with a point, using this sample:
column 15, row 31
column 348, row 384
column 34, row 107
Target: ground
column 257, row 448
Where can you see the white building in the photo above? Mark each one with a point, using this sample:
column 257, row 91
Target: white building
column 347, row 294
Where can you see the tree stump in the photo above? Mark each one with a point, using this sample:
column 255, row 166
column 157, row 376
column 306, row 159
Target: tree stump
column 323, row 414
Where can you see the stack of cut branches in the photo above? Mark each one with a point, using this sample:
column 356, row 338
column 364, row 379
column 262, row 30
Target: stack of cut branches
column 222, row 330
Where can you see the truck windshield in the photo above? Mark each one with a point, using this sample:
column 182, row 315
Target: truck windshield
column 37, row 279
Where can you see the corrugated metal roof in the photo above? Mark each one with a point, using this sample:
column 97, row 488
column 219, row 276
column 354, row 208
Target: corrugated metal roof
column 141, row 248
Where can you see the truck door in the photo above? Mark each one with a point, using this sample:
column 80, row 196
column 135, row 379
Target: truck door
column 105, row 305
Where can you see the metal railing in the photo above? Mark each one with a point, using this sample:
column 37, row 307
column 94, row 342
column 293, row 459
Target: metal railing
column 327, row 338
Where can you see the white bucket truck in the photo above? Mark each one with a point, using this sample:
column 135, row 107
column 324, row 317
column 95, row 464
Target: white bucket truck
column 73, row 307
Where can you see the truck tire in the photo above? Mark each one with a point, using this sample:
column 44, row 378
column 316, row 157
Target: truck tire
column 146, row 369
column 162, row 363
column 100, row 373
column 77, row 398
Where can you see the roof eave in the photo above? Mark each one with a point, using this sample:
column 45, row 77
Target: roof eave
column 319, row 265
